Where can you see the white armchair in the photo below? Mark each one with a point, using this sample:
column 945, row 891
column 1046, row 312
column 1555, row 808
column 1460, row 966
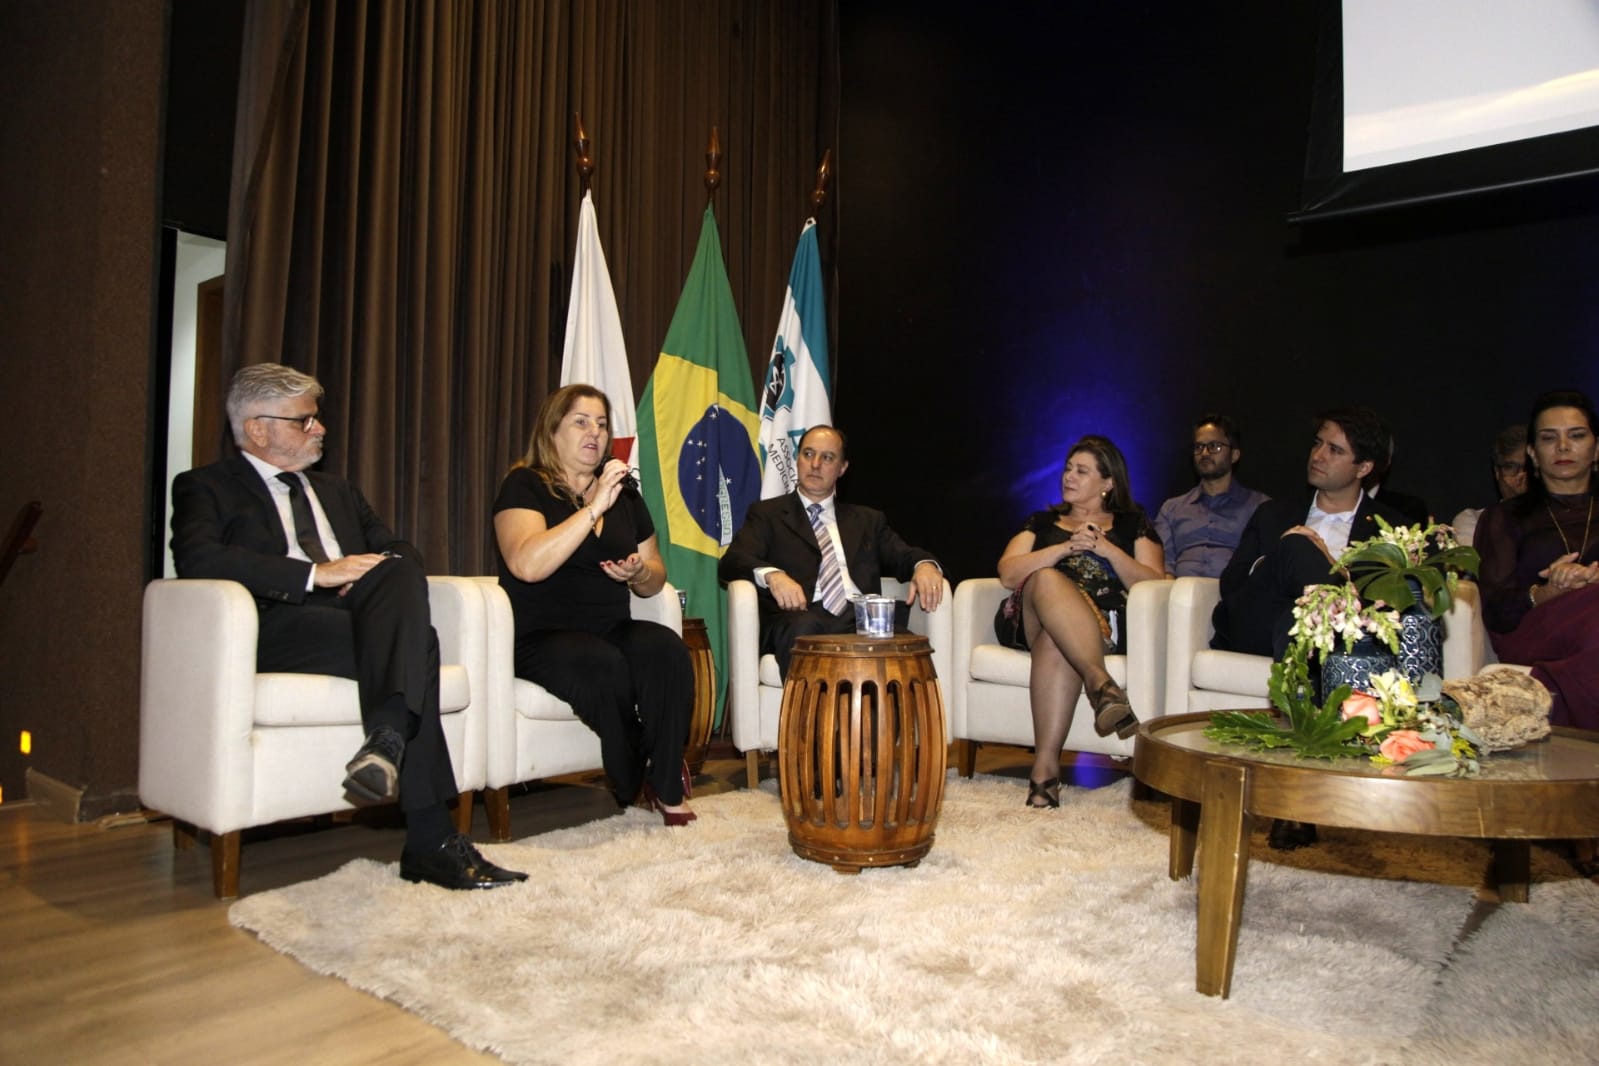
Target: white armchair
column 755, row 689
column 990, row 681
column 224, row 749
column 532, row 734
column 1202, row 679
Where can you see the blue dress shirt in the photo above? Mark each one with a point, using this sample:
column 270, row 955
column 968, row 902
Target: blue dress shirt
column 1200, row 532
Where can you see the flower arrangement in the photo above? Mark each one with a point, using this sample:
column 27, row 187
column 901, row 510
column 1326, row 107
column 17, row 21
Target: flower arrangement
column 1382, row 568
column 1389, row 720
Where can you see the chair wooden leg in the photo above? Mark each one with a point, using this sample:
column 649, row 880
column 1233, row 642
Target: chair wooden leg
column 225, row 864
column 752, row 768
column 967, row 760
column 463, row 814
column 184, row 836
column 497, row 805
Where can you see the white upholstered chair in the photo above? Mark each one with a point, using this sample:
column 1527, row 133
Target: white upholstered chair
column 990, row 681
column 224, row 749
column 532, row 734
column 755, row 689
column 1201, row 679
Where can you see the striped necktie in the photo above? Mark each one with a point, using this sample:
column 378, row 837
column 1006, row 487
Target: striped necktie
column 830, row 579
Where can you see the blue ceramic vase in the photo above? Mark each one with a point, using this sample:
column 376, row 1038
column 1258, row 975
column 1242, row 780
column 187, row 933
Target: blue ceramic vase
column 1355, row 667
column 1421, row 641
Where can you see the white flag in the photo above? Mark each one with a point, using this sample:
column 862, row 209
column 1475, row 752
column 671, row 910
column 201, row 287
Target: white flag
column 795, row 395
column 595, row 353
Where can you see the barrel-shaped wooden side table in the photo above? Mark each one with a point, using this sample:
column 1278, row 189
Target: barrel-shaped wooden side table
column 704, row 716
column 861, row 750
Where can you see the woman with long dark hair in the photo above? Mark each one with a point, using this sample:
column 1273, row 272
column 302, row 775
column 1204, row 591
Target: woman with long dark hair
column 1070, row 568
column 1540, row 560
column 573, row 541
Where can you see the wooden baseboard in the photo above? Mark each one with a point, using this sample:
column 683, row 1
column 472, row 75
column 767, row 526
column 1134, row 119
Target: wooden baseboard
column 56, row 799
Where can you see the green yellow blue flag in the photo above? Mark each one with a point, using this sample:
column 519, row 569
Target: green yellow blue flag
column 699, row 469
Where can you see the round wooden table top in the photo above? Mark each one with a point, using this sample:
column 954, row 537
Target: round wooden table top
column 1546, row 789
column 854, row 644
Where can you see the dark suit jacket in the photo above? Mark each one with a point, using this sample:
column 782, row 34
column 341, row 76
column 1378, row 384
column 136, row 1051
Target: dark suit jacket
column 1275, row 517
column 225, row 525
column 777, row 532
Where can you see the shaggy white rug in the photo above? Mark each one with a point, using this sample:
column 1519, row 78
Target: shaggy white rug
column 1023, row 937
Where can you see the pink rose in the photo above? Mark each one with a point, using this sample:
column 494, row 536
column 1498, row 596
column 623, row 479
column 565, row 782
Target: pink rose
column 1361, row 705
column 1401, row 744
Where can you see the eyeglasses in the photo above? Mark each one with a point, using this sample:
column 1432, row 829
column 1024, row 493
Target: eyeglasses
column 1211, row 447
column 1511, row 469
column 305, row 423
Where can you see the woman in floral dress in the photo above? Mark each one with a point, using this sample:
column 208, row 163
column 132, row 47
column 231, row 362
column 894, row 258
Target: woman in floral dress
column 1071, row 567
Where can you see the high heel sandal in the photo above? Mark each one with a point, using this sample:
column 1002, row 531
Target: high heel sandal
column 688, row 781
column 671, row 818
column 1112, row 712
column 1041, row 790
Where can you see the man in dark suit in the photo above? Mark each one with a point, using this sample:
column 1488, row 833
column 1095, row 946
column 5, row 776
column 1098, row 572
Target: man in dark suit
column 338, row 593
column 1288, row 544
column 808, row 552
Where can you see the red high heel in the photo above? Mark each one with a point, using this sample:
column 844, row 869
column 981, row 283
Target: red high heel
column 688, row 781
column 671, row 818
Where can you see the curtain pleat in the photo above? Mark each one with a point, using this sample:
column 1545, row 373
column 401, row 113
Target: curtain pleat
column 405, row 205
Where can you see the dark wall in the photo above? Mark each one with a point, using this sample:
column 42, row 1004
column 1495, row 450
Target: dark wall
column 1068, row 219
column 78, row 194
column 206, row 39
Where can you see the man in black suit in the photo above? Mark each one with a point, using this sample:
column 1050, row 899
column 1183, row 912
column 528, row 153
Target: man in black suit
column 805, row 581
column 338, row 593
column 1287, row 545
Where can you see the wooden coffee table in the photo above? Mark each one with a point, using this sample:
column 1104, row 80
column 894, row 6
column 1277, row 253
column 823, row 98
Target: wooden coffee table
column 1546, row 790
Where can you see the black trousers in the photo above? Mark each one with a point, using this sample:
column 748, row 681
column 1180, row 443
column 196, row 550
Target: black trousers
column 633, row 684
column 379, row 634
column 1257, row 617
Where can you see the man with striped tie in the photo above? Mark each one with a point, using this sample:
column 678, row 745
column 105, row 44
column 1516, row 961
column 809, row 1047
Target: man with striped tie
column 809, row 553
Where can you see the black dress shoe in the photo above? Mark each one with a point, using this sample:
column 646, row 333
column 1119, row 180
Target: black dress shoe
column 1289, row 836
column 455, row 864
column 373, row 776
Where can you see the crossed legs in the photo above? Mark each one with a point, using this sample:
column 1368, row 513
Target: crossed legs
column 1068, row 652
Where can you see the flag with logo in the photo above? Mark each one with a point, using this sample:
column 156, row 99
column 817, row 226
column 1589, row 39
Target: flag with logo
column 795, row 396
column 595, row 354
column 697, row 425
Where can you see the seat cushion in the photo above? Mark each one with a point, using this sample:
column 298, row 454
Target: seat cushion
column 1232, row 671
column 321, row 699
column 1001, row 665
column 770, row 675
column 536, row 702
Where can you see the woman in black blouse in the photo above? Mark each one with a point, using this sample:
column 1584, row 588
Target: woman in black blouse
column 1071, row 567
column 1540, row 560
column 573, row 542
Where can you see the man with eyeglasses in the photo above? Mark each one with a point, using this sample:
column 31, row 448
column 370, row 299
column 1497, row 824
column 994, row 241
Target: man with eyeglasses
column 1510, row 477
column 1200, row 528
column 337, row 593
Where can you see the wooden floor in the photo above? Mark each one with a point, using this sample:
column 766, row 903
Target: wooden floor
column 113, row 949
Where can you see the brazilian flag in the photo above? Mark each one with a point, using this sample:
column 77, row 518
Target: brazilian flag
column 697, row 427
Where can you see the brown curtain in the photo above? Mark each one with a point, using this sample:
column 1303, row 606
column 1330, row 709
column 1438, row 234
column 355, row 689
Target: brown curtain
column 405, row 206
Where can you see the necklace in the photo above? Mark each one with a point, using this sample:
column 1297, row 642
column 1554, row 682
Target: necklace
column 1585, row 527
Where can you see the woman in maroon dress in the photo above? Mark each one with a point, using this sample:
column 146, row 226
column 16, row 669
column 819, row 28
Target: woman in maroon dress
column 1540, row 560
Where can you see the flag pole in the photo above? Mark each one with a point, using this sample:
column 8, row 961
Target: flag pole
column 713, row 166
column 823, row 173
column 585, row 162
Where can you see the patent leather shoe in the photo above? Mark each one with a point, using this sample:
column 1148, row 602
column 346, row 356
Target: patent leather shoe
column 455, row 864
